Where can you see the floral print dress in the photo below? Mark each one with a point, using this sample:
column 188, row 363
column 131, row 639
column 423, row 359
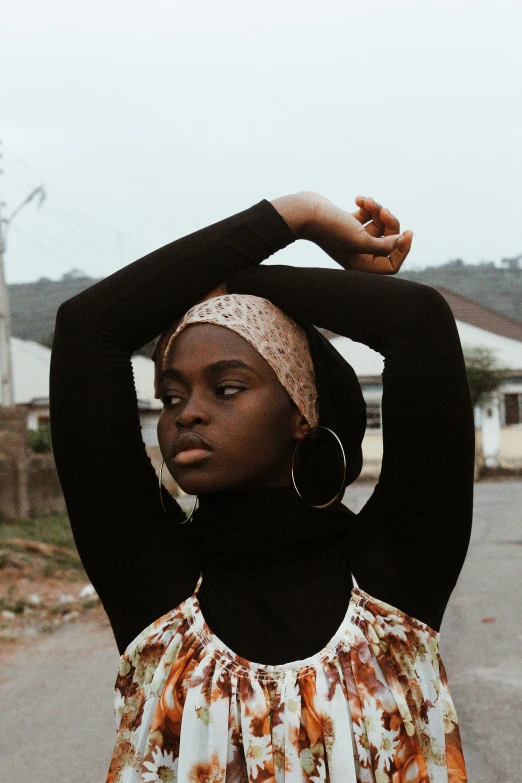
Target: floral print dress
column 372, row 707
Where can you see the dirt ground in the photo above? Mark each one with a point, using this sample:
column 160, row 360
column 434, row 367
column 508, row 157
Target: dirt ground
column 40, row 591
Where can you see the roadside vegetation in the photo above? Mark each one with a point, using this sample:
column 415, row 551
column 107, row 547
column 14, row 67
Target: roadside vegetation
column 42, row 581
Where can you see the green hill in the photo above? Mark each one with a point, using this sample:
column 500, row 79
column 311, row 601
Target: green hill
column 492, row 286
column 34, row 305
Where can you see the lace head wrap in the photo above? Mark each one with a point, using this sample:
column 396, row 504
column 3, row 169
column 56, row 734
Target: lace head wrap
column 274, row 335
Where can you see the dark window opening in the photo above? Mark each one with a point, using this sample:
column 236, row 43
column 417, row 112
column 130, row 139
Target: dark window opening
column 512, row 409
column 373, row 415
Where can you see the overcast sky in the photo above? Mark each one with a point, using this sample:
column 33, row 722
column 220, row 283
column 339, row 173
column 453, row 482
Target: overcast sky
column 146, row 121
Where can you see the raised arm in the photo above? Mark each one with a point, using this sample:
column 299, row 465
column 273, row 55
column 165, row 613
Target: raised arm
column 411, row 537
column 108, row 481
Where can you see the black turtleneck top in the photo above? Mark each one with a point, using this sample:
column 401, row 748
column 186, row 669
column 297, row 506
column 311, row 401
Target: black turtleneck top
column 273, row 590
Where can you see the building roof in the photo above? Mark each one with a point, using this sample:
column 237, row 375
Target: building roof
column 31, row 364
column 475, row 314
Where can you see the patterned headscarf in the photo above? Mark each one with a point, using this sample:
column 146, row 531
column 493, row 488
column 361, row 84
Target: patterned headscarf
column 274, row 335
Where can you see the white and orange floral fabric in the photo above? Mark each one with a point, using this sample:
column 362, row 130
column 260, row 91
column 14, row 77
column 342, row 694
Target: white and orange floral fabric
column 372, row 707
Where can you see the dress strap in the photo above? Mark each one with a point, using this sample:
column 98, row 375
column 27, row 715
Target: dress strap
column 198, row 585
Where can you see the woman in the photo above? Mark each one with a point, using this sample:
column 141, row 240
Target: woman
column 278, row 667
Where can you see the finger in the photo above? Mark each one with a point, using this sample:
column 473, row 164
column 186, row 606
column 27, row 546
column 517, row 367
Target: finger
column 362, row 215
column 382, row 260
column 377, row 223
column 375, row 229
column 376, row 245
column 391, row 223
column 377, row 209
column 372, row 205
column 378, row 213
column 401, row 250
column 383, row 221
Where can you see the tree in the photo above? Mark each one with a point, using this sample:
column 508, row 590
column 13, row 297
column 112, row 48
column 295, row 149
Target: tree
column 484, row 374
column 48, row 341
column 456, row 263
column 39, row 441
column 512, row 264
column 74, row 274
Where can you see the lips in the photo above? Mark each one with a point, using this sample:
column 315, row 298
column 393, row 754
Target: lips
column 190, row 448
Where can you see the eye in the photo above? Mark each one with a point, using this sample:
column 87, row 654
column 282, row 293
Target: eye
column 170, row 400
column 229, row 391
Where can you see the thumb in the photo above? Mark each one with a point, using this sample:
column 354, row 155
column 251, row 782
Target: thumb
column 381, row 246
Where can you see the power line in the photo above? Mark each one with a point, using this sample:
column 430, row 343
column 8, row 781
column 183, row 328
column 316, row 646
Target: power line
column 84, row 237
column 92, row 235
column 50, row 238
column 87, row 229
column 61, row 215
column 42, row 246
column 65, row 201
column 16, row 180
column 85, row 240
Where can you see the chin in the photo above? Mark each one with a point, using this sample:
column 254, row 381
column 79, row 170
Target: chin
column 203, row 485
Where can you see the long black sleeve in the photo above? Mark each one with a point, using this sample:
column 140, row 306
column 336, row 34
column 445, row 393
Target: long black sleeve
column 109, row 484
column 410, row 539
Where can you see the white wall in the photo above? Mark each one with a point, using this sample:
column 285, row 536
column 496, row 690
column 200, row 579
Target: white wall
column 149, row 423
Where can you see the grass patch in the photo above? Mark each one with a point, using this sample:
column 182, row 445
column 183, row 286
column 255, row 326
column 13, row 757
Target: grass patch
column 50, row 529
column 53, row 529
column 90, row 603
column 59, row 567
column 17, row 606
column 63, row 563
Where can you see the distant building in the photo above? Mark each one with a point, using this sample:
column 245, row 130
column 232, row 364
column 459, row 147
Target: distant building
column 31, row 365
column 28, row 482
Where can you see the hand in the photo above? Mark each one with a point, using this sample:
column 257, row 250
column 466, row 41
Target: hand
column 368, row 240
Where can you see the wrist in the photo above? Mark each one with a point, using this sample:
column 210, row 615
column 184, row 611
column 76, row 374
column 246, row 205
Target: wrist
column 298, row 210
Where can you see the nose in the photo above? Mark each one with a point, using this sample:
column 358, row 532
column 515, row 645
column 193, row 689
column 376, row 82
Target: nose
column 195, row 411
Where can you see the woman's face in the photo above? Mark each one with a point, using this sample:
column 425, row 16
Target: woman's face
column 227, row 422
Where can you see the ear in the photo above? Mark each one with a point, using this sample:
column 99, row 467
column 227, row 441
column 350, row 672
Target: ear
column 301, row 426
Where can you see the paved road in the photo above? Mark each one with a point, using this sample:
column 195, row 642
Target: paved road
column 56, row 723
column 56, row 696
column 484, row 660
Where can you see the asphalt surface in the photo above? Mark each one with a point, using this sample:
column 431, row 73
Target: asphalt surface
column 483, row 660
column 56, row 722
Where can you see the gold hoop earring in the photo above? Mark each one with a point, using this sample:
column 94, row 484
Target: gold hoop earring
column 189, row 518
column 314, row 464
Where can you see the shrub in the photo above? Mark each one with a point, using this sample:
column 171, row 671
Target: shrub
column 39, row 441
column 484, row 375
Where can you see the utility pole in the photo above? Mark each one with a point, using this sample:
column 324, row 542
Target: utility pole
column 6, row 363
